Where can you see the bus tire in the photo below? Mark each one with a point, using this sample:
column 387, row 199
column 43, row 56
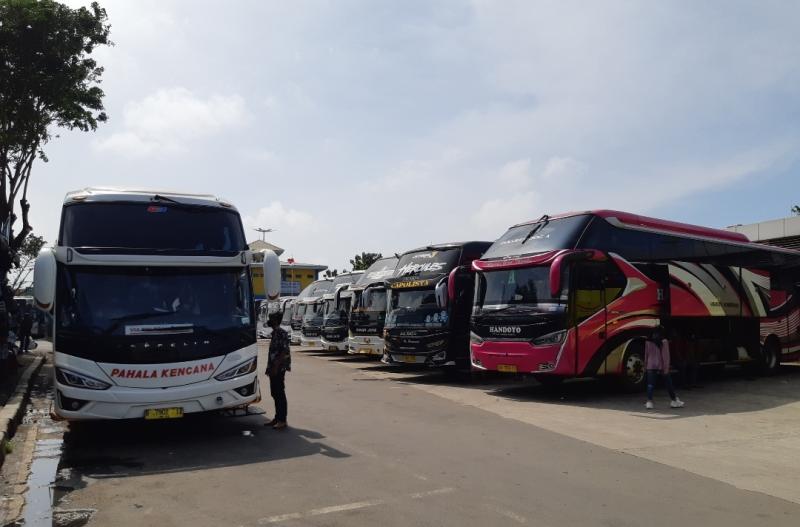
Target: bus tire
column 770, row 361
column 633, row 375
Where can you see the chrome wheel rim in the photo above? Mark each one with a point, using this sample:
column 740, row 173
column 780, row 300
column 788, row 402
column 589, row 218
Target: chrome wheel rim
column 634, row 368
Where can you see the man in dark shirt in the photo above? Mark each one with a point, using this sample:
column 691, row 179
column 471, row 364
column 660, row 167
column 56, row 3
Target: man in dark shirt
column 279, row 361
column 25, row 326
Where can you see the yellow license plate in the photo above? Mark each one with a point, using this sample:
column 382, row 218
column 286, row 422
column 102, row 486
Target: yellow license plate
column 408, row 358
column 508, row 368
column 333, row 348
column 163, row 413
column 365, row 350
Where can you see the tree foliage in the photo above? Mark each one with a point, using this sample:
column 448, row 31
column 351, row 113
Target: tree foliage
column 330, row 273
column 47, row 81
column 361, row 262
column 27, row 254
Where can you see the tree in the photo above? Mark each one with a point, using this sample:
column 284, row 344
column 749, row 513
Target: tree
column 361, row 262
column 27, row 254
column 796, row 210
column 47, row 81
column 330, row 273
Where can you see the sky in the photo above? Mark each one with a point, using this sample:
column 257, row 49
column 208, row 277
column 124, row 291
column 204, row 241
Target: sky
column 380, row 126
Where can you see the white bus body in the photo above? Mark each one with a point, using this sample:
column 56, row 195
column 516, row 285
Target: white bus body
column 152, row 306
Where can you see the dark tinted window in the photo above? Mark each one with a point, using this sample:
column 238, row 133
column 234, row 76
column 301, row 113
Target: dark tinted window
column 547, row 235
column 647, row 246
column 163, row 226
column 427, row 263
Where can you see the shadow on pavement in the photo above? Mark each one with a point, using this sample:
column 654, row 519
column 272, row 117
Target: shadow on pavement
column 110, row 449
column 730, row 391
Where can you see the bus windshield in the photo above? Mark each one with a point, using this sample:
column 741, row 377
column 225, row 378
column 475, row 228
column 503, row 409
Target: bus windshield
column 428, row 263
column 162, row 226
column 152, row 300
column 542, row 236
column 313, row 313
column 518, row 289
column 415, row 308
column 373, row 299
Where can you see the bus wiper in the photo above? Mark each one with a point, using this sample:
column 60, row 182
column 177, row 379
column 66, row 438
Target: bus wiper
column 544, row 220
column 159, row 197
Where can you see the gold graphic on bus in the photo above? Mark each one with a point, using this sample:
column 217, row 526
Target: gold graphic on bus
column 410, row 283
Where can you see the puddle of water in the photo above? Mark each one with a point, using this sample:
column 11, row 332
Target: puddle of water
column 39, row 496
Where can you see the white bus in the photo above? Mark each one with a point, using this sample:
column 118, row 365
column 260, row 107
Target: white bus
column 152, row 305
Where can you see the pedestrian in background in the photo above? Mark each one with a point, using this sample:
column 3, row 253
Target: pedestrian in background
column 656, row 363
column 25, row 326
column 279, row 361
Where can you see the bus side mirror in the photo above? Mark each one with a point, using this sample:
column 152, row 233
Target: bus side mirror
column 441, row 293
column 272, row 275
column 44, row 279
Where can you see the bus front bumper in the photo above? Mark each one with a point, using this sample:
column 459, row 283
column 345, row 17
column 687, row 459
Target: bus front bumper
column 310, row 342
column 515, row 357
column 131, row 403
column 365, row 345
column 333, row 346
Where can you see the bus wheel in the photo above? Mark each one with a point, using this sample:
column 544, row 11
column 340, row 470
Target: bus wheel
column 770, row 358
column 634, row 377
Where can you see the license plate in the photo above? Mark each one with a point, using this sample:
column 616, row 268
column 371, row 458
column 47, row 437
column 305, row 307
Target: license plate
column 408, row 358
column 163, row 413
column 508, row 368
column 333, row 348
column 365, row 350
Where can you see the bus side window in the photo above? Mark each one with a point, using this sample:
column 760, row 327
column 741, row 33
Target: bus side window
column 596, row 284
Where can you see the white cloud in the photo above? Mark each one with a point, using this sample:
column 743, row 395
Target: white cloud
column 516, row 174
column 170, row 119
column 278, row 216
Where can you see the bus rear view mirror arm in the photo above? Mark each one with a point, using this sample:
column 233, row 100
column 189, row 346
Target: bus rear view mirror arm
column 565, row 258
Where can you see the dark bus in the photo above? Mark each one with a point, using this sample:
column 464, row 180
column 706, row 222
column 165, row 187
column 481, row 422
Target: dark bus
column 429, row 303
column 336, row 312
column 368, row 308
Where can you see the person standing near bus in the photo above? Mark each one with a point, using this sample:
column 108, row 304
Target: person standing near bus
column 656, row 362
column 25, row 326
column 279, row 361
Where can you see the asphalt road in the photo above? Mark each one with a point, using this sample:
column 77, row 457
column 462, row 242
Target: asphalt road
column 366, row 449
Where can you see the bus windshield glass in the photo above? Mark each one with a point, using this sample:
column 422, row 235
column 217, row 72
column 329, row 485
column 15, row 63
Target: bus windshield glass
column 542, row 236
column 163, row 226
column 415, row 308
column 373, row 299
column 152, row 300
column 523, row 289
column 427, row 264
column 314, row 313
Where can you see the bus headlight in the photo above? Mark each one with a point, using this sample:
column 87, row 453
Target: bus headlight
column 78, row 380
column 550, row 338
column 244, row 368
column 474, row 338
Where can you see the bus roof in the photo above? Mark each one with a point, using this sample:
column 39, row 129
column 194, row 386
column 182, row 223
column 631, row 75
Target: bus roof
column 636, row 221
column 101, row 194
column 450, row 245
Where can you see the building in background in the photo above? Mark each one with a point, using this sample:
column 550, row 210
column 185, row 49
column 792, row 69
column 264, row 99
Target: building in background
column 294, row 275
column 784, row 232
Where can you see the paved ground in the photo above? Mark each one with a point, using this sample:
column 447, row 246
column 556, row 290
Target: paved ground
column 369, row 446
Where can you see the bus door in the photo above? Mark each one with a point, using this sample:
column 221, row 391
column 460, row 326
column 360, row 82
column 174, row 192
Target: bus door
column 594, row 286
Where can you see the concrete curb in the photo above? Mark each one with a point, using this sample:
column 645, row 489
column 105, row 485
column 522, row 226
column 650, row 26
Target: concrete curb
column 12, row 412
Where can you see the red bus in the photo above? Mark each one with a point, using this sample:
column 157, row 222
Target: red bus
column 575, row 295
